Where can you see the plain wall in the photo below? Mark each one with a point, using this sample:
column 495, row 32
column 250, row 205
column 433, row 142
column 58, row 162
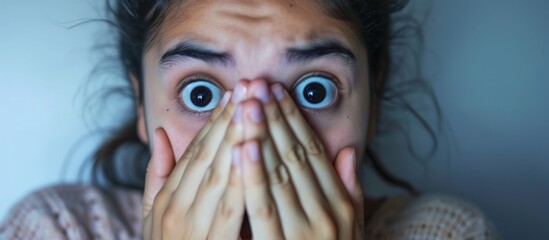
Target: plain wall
column 44, row 67
column 486, row 60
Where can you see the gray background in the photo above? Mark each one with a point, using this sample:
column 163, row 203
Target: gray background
column 487, row 61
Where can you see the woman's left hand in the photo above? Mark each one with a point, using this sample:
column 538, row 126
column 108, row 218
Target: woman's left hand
column 291, row 188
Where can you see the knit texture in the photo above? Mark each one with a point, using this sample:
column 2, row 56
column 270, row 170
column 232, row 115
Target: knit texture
column 429, row 217
column 88, row 212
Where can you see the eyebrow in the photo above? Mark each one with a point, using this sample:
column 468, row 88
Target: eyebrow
column 189, row 49
column 320, row 49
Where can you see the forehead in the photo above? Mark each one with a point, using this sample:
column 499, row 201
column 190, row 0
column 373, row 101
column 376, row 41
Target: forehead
column 248, row 22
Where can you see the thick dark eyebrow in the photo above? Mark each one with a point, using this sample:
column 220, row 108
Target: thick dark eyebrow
column 320, row 49
column 191, row 50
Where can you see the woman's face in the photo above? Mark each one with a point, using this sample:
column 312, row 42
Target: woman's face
column 205, row 47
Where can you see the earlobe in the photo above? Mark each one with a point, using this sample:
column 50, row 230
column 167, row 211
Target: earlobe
column 140, row 125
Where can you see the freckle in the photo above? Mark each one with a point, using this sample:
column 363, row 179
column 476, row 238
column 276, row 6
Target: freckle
column 167, row 110
column 347, row 116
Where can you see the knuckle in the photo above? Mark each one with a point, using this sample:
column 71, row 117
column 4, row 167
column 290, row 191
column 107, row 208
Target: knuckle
column 273, row 114
column 170, row 218
column 226, row 211
column 187, row 155
column 191, row 148
column 279, row 176
column 313, row 146
column 213, row 178
column 295, row 156
column 201, row 153
column 265, row 211
column 289, row 109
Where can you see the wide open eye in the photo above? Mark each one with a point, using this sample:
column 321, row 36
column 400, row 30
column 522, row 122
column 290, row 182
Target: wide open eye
column 201, row 95
column 315, row 92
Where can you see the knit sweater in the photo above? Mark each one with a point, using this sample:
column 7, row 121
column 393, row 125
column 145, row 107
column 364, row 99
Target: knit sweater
column 88, row 212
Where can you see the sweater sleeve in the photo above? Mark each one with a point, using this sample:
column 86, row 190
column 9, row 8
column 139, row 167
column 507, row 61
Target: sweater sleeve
column 74, row 212
column 431, row 217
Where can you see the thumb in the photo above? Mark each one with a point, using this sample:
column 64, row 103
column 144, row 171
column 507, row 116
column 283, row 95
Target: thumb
column 160, row 166
column 345, row 165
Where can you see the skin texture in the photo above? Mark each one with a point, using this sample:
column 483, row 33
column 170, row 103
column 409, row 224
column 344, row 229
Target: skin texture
column 240, row 156
column 257, row 36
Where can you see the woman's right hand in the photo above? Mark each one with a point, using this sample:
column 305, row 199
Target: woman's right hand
column 200, row 196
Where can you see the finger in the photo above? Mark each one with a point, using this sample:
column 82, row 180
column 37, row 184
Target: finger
column 234, row 97
column 345, row 168
column 292, row 157
column 345, row 165
column 215, row 180
column 281, row 184
column 339, row 203
column 163, row 200
column 221, row 119
column 223, row 108
column 205, row 152
column 230, row 210
column 160, row 166
column 314, row 150
column 261, row 208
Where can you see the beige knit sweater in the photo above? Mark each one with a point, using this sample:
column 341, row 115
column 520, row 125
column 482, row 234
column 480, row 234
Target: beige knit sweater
column 87, row 212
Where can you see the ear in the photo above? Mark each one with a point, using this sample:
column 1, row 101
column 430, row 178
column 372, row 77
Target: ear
column 141, row 128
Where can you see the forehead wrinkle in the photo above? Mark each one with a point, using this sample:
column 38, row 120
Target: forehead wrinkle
column 185, row 18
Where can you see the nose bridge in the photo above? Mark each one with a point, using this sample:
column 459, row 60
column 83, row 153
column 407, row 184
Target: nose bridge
column 259, row 62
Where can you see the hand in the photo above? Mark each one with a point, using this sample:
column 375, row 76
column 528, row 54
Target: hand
column 291, row 190
column 200, row 196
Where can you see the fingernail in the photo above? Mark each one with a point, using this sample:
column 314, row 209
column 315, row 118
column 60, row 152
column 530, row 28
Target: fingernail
column 236, row 156
column 239, row 93
column 237, row 117
column 225, row 99
column 278, row 91
column 255, row 113
column 262, row 93
column 252, row 148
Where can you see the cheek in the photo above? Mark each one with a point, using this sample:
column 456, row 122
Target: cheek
column 162, row 111
column 338, row 133
column 346, row 128
column 181, row 133
column 334, row 140
column 180, row 128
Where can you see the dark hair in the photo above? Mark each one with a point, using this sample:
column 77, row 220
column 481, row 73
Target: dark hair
column 137, row 22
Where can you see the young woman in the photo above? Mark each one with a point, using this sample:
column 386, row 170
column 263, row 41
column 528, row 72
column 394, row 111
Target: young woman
column 257, row 114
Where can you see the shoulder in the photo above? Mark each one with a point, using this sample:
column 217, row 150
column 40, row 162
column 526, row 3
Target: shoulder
column 428, row 217
column 75, row 212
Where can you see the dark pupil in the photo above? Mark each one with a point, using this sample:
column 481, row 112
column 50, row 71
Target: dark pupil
column 201, row 96
column 314, row 93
